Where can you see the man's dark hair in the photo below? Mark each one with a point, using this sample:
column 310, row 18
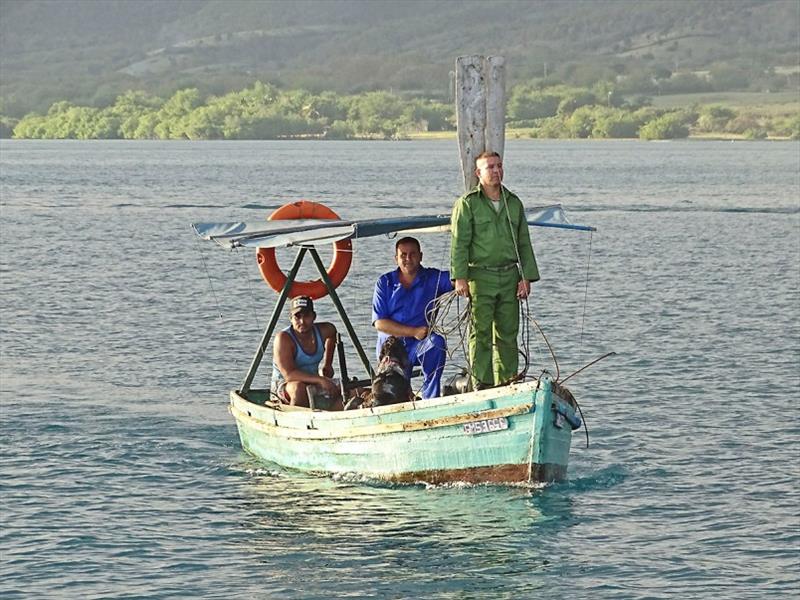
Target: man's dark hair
column 487, row 155
column 407, row 240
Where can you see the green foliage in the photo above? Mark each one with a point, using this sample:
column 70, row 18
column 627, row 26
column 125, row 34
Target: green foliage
column 607, row 93
column 263, row 111
column 529, row 102
column 31, row 126
column 615, row 123
column 436, row 116
column 526, row 103
column 666, row 127
column 257, row 112
column 131, row 110
column 340, row 130
column 794, row 128
column 552, row 127
column 65, row 121
column 175, row 116
column 574, row 100
column 714, row 118
column 581, row 122
column 378, row 113
column 786, row 126
column 749, row 125
column 758, row 133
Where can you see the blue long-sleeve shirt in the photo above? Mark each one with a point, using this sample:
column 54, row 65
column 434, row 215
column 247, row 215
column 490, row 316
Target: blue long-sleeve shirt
column 407, row 306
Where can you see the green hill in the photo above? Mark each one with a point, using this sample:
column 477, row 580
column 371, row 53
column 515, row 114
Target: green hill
column 90, row 51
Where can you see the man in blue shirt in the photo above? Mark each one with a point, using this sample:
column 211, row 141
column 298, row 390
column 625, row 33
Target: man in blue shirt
column 400, row 306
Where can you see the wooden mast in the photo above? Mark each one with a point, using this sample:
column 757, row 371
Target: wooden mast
column 480, row 110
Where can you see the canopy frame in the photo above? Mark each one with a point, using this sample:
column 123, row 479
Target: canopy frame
column 276, row 313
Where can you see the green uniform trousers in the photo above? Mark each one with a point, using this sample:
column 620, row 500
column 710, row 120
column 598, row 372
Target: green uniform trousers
column 495, row 324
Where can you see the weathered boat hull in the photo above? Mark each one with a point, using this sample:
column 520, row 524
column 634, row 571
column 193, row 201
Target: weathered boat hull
column 512, row 434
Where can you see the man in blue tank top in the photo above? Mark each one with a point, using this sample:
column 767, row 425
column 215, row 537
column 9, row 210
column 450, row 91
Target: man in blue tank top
column 401, row 303
column 297, row 353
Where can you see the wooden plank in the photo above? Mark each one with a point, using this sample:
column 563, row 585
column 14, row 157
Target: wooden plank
column 495, row 74
column 281, row 431
column 470, row 114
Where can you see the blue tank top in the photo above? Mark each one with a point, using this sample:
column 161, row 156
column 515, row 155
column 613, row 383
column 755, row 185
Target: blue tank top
column 305, row 362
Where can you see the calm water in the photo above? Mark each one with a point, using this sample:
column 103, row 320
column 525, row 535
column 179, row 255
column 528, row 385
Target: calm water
column 122, row 474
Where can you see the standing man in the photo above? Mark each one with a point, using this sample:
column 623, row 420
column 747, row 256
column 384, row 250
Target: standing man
column 492, row 262
column 401, row 304
column 296, row 355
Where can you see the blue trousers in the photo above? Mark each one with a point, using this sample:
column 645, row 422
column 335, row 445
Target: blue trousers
column 430, row 354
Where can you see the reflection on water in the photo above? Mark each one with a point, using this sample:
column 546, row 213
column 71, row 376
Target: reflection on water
column 342, row 524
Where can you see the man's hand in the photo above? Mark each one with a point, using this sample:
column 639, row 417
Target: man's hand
column 462, row 288
column 523, row 289
column 421, row 333
column 329, row 386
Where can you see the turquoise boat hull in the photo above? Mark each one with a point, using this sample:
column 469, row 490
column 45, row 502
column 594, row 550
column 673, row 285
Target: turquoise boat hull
column 512, row 434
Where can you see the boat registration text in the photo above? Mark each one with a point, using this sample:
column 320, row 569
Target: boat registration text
column 485, row 426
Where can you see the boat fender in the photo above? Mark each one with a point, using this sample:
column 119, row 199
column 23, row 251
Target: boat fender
column 337, row 270
column 573, row 419
column 561, row 414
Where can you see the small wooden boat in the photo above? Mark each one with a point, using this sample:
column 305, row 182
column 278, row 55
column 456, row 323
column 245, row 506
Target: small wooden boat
column 517, row 433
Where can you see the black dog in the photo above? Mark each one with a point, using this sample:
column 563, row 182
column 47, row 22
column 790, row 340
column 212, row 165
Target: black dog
column 390, row 384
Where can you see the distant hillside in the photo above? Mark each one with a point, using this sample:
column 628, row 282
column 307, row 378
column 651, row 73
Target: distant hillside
column 90, row 51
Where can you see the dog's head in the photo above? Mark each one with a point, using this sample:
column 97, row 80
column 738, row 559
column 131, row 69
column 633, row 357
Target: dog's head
column 390, row 384
column 393, row 351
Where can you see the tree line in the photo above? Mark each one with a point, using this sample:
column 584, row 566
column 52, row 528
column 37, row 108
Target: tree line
column 258, row 112
column 262, row 111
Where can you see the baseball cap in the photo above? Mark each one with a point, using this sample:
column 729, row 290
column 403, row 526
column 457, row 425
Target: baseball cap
column 301, row 304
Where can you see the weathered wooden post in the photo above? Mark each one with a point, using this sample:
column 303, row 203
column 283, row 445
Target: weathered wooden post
column 480, row 110
column 496, row 104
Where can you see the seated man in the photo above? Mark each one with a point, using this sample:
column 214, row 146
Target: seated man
column 296, row 356
column 400, row 307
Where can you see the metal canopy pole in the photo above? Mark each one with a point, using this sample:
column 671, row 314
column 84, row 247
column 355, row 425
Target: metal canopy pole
column 340, row 309
column 276, row 313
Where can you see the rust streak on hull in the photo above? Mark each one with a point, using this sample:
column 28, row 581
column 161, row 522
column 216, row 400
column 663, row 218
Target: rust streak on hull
column 492, row 474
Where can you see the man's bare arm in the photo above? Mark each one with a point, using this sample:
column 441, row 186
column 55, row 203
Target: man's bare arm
column 394, row 328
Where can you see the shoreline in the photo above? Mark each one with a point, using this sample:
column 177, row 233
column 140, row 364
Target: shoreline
column 436, row 136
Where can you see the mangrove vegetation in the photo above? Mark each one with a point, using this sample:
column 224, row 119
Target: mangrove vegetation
column 263, row 111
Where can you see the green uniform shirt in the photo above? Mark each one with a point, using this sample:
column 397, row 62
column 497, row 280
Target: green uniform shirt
column 482, row 237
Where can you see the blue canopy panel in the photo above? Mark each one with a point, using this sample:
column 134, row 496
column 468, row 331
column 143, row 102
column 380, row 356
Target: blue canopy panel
column 298, row 232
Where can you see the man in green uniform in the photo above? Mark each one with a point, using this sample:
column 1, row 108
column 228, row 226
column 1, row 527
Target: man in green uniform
column 492, row 263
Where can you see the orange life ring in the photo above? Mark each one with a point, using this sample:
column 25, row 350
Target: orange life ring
column 337, row 270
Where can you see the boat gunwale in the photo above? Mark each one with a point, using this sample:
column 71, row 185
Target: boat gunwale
column 380, row 428
column 442, row 401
